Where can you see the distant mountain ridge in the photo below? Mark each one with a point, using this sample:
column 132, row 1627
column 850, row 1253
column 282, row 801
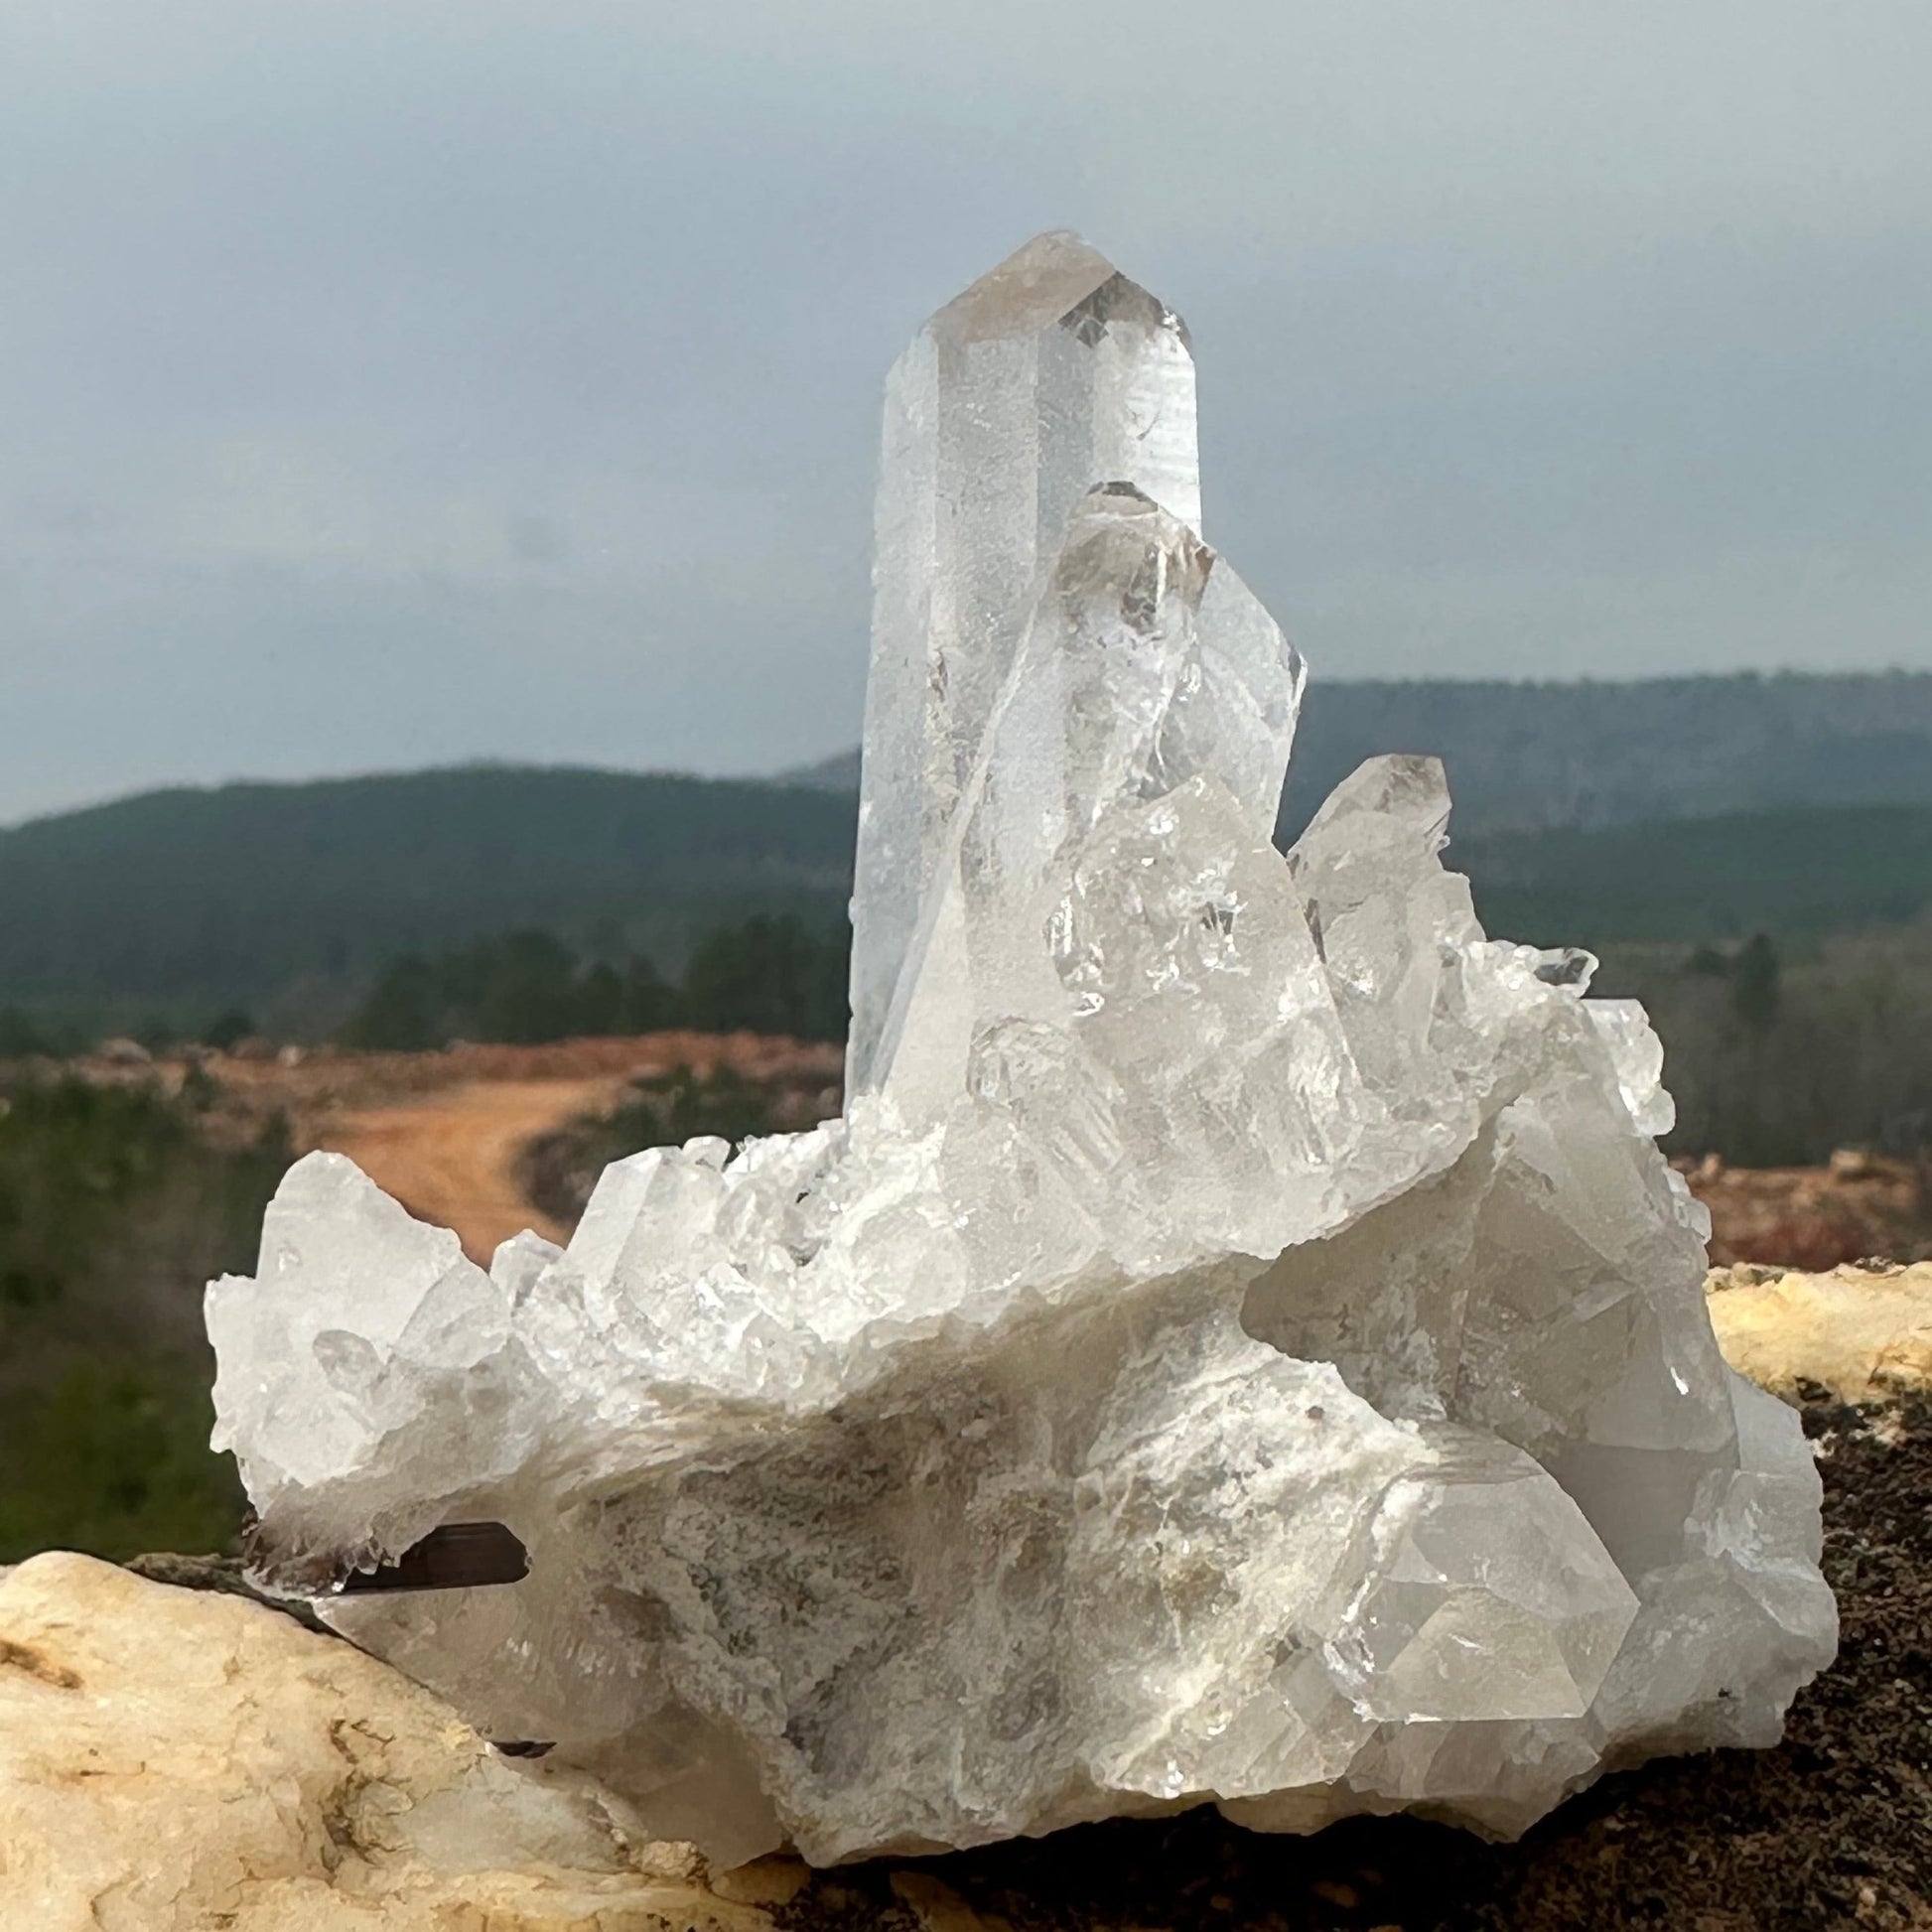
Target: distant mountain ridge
column 288, row 897
column 1701, row 808
column 1527, row 755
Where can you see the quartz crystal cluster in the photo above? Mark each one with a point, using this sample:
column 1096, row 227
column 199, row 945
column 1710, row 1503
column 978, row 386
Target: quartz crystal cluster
column 1241, row 1342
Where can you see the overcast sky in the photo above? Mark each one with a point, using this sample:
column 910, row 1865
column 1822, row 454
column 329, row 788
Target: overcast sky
column 396, row 382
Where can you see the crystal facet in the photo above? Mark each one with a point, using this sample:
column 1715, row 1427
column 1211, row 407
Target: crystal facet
column 1241, row 1342
column 1050, row 375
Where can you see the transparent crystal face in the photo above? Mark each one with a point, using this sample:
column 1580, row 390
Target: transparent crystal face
column 1241, row 1342
column 1050, row 376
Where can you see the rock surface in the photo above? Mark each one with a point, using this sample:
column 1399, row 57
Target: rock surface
column 1863, row 1334
column 174, row 1761
column 1828, row 1829
column 1241, row 1344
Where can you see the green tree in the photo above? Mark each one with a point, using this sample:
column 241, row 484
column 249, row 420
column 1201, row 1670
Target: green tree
column 771, row 976
column 404, row 1012
column 529, row 990
column 21, row 1037
column 681, row 1105
column 651, row 1002
column 766, row 975
column 229, row 1028
column 1755, row 984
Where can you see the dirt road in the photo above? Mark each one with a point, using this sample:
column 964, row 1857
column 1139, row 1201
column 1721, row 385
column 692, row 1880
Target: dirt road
column 443, row 1132
column 450, row 1157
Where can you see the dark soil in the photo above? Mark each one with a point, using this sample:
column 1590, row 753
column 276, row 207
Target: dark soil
column 1832, row 1829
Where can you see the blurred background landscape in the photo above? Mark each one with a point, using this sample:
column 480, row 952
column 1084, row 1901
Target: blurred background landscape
column 438, row 440
column 486, row 982
column 436, row 456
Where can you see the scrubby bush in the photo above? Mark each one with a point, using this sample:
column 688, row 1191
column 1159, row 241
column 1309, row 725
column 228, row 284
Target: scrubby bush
column 115, row 1209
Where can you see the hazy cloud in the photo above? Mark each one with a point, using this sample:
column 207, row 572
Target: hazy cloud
column 402, row 380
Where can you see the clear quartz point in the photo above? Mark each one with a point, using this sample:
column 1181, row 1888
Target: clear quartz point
column 1051, row 375
column 1241, row 1342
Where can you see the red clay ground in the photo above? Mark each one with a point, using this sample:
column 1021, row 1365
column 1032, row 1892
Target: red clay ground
column 446, row 1133
column 1815, row 1217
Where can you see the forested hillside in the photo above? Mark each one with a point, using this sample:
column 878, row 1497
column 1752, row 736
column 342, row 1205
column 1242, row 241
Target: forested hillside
column 1698, row 809
column 1790, row 873
column 290, row 902
column 289, row 899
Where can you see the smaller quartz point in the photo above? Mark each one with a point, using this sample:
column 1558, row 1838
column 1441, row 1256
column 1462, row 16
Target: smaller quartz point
column 1145, row 663
column 1240, row 1344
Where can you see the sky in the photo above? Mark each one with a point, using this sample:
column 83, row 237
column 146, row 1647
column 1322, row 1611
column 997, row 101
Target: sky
column 398, row 382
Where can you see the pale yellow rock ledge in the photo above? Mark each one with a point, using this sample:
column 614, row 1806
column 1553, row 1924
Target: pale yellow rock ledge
column 173, row 1762
column 1862, row 1332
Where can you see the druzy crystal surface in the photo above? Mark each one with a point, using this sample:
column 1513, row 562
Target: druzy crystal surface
column 1241, row 1342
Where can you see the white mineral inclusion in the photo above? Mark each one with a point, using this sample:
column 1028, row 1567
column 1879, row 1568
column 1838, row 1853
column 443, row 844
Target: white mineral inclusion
column 1241, row 1344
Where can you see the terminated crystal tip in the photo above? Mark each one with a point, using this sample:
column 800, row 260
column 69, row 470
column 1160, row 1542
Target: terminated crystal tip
column 1055, row 279
column 1039, row 284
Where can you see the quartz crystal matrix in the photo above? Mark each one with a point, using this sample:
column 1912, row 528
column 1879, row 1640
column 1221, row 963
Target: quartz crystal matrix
column 1241, row 1342
column 1051, row 374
